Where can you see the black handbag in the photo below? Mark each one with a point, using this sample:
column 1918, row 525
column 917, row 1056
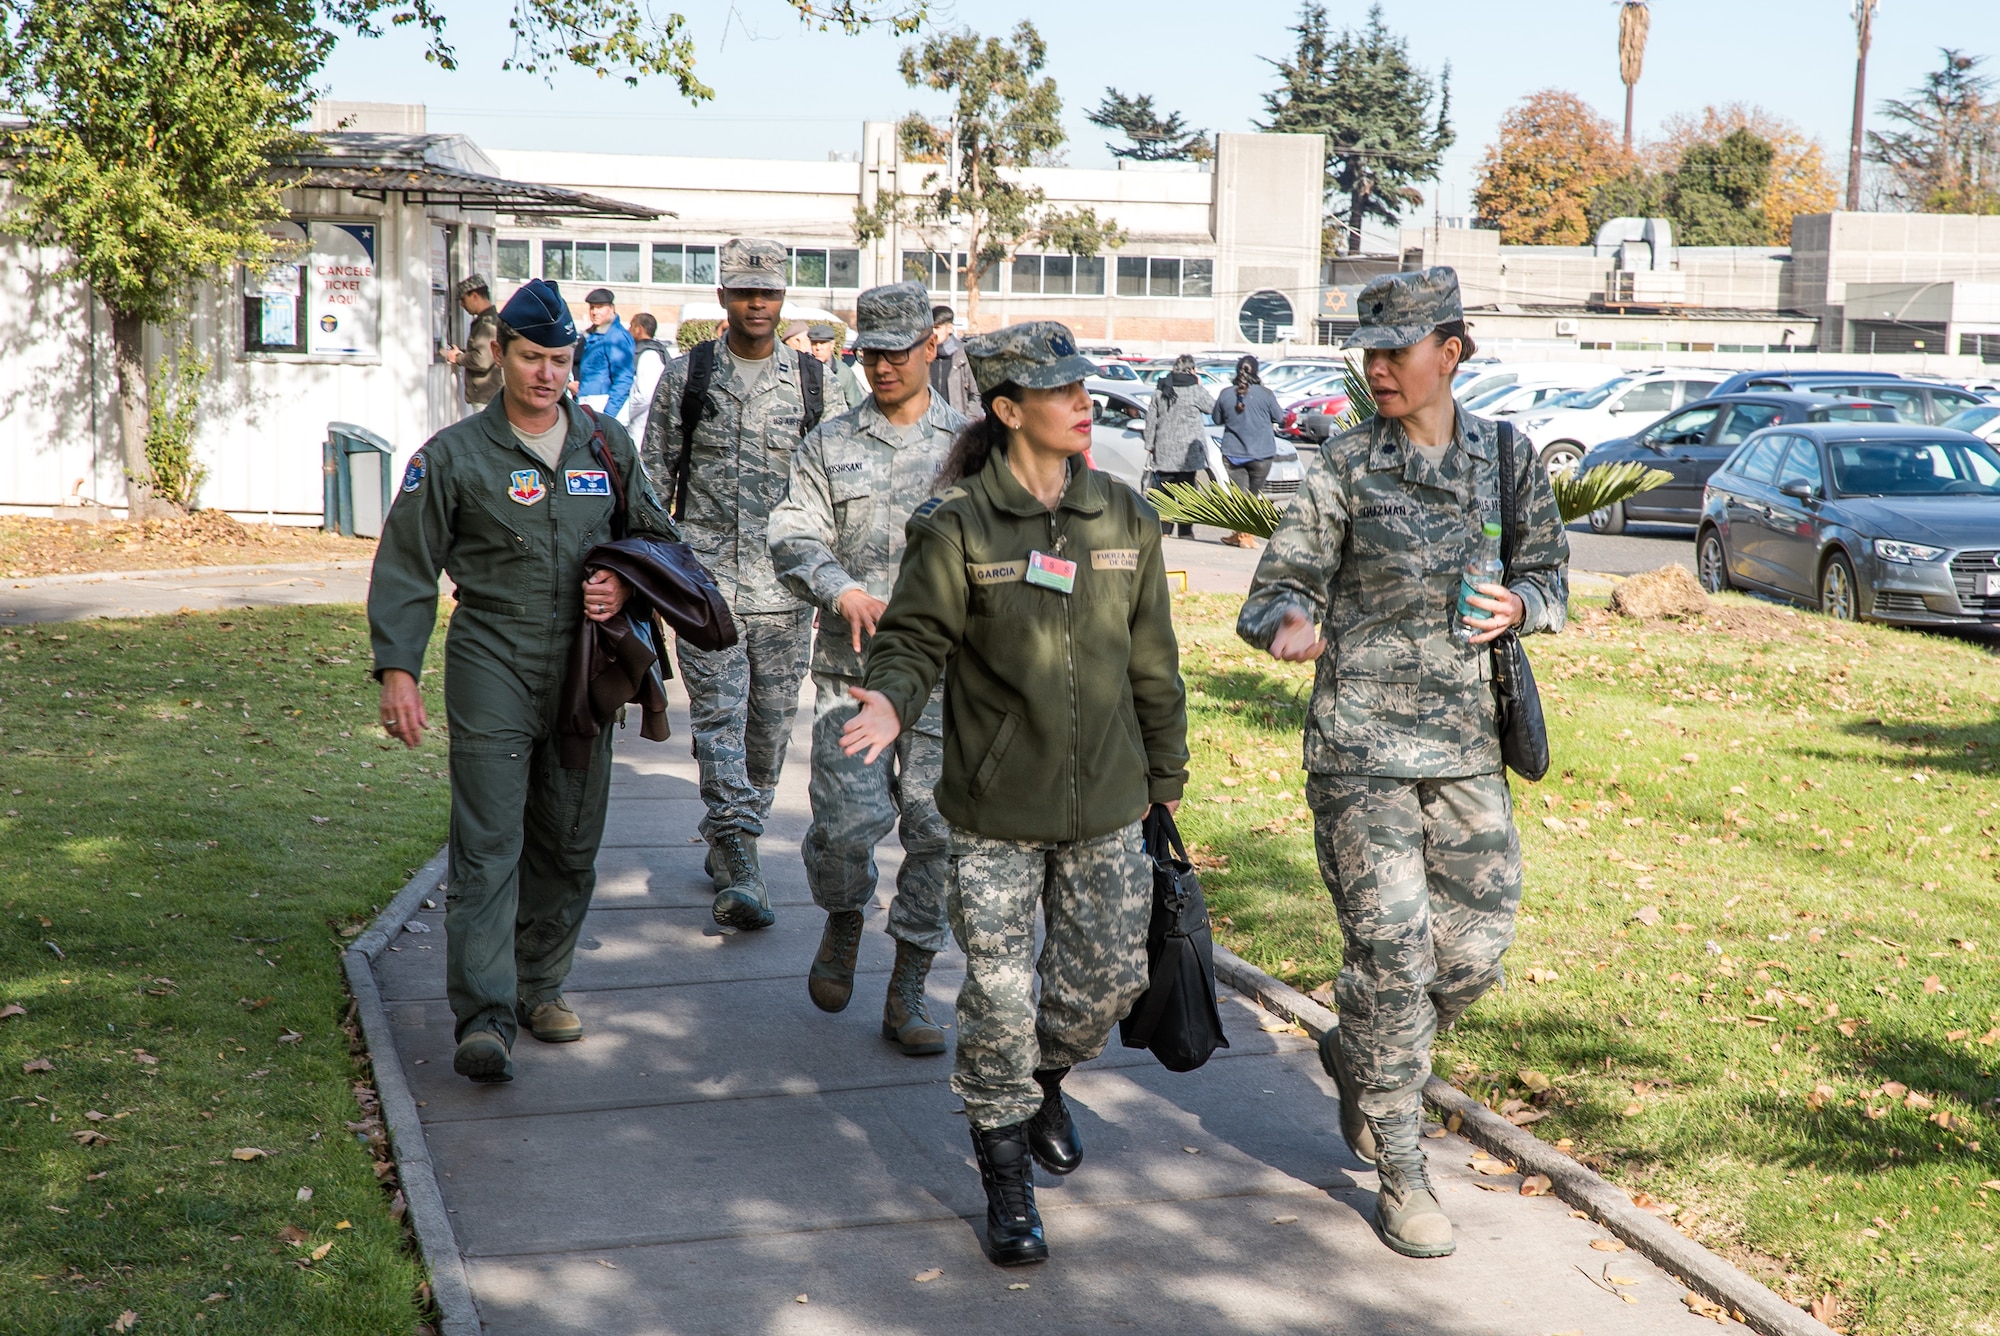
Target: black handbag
column 1524, row 734
column 1176, row 1016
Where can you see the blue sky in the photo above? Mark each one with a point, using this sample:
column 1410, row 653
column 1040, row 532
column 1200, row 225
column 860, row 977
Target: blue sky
column 783, row 91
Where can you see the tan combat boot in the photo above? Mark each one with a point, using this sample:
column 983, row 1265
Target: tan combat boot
column 1407, row 1214
column 906, row 1021
column 831, row 982
column 1353, row 1126
column 553, row 1022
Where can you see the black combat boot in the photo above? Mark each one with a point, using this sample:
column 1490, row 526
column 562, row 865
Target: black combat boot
column 1052, row 1133
column 1407, row 1213
column 906, row 1019
column 1013, row 1227
column 744, row 903
column 831, row 982
column 1353, row 1127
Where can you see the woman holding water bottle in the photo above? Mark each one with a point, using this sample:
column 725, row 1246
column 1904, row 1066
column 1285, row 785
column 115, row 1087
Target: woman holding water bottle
column 1388, row 571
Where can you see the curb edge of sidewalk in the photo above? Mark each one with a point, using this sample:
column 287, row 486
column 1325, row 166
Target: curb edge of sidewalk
column 183, row 572
column 429, row 1220
column 1682, row 1258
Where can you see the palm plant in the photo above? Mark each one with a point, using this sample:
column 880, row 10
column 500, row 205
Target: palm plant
column 1223, row 505
column 1634, row 18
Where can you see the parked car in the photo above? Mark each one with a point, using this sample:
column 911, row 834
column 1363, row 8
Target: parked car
column 1282, row 376
column 1314, row 419
column 1983, row 421
column 1691, row 444
column 1495, row 375
column 1118, row 413
column 1506, row 400
column 1112, row 369
column 1620, row 406
column 1914, row 400
column 1888, row 522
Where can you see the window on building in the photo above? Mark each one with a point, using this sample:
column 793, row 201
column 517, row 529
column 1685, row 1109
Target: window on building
column 512, row 261
column 813, row 267
column 1058, row 275
column 1131, row 275
column 1265, row 317
column 556, row 260
column 942, row 272
column 843, row 267
column 1165, row 276
column 274, row 297
column 444, row 274
column 591, row 261
column 675, row 263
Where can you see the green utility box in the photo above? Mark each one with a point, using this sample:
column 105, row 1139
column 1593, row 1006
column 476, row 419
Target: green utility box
column 356, row 468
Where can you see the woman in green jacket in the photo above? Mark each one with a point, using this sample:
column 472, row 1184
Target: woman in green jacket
column 1035, row 586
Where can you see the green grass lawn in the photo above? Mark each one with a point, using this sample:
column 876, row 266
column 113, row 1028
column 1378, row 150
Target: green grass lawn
column 1755, row 971
column 192, row 809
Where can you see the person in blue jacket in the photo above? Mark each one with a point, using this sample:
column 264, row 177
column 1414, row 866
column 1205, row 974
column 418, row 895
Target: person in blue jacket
column 604, row 372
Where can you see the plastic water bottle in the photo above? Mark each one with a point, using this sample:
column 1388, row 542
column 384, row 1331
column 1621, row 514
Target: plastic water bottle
column 1484, row 569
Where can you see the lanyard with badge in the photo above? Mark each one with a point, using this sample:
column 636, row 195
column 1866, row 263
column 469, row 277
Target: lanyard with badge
column 1048, row 570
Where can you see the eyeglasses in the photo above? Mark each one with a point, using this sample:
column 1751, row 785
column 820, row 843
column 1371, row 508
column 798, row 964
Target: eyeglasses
column 893, row 358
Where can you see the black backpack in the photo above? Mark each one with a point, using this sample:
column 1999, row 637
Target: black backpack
column 694, row 403
column 1176, row 1017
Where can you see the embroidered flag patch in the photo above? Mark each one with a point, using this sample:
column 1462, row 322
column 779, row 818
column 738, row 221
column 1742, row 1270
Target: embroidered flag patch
column 587, row 482
column 525, row 486
column 413, row 473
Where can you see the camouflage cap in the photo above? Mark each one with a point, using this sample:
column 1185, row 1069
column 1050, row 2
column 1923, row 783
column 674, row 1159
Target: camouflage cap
column 753, row 262
column 1036, row 355
column 1398, row 310
column 892, row 317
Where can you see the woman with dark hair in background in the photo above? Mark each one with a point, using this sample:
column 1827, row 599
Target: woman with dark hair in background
column 1176, row 430
column 1035, row 587
column 1248, row 414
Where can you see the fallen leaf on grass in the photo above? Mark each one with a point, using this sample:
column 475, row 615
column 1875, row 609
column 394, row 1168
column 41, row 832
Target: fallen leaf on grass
column 86, row 1137
column 1915, row 1101
column 1542, row 976
column 1819, row 1095
column 12, row 1009
column 319, row 1253
column 126, row 1321
column 321, row 820
column 290, row 1037
column 1648, row 915
column 34, row 1065
column 398, row 1207
column 1634, row 1109
column 1608, row 1245
column 1522, row 1117
column 305, row 1194
column 293, row 1235
column 1825, row 1308
column 1953, row 1036
column 247, row 1153
column 926, row 1277
column 1535, row 1185
column 1849, row 1028
column 345, row 1224
column 1534, row 1080
column 1991, row 1185
column 94, row 1116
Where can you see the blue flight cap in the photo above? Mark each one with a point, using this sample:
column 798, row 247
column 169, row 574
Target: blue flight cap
column 538, row 314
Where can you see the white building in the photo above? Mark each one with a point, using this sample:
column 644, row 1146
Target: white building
column 1222, row 254
column 350, row 329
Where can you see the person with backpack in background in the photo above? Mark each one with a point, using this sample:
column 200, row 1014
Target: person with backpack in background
column 1176, row 430
column 649, row 360
column 1248, row 414
column 1372, row 573
column 951, row 373
column 1035, row 588
column 725, row 424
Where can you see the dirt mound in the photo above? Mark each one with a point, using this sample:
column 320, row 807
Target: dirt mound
column 1670, row 591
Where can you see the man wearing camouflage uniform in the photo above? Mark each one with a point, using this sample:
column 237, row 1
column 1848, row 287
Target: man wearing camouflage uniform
column 836, row 541
column 1412, row 815
column 725, row 479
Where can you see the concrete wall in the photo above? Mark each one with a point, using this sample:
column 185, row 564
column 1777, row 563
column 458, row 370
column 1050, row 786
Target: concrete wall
column 263, row 416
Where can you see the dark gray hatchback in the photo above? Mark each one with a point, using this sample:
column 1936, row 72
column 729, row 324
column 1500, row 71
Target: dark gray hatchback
column 1892, row 523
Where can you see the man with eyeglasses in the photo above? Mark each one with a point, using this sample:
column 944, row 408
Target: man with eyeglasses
column 837, row 541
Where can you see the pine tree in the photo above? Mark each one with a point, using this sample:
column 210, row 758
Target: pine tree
column 1946, row 158
column 1374, row 107
column 1151, row 137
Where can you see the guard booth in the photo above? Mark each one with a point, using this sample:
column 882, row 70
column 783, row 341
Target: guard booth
column 358, row 466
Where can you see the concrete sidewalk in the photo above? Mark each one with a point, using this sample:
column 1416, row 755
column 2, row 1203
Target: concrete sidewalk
column 717, row 1156
column 70, row 598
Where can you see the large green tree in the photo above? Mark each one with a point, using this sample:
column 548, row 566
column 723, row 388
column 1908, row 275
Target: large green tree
column 1945, row 150
column 1375, row 108
column 1005, row 115
column 1150, row 135
column 1716, row 195
column 151, row 133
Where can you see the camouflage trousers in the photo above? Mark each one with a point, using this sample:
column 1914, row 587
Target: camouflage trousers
column 1096, row 898
column 854, row 805
column 1425, row 876
column 741, row 702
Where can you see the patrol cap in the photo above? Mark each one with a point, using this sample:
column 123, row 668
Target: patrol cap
column 1399, row 310
column 468, row 285
column 1036, row 355
column 753, row 262
column 822, row 333
column 892, row 317
column 538, row 314
column 600, row 297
